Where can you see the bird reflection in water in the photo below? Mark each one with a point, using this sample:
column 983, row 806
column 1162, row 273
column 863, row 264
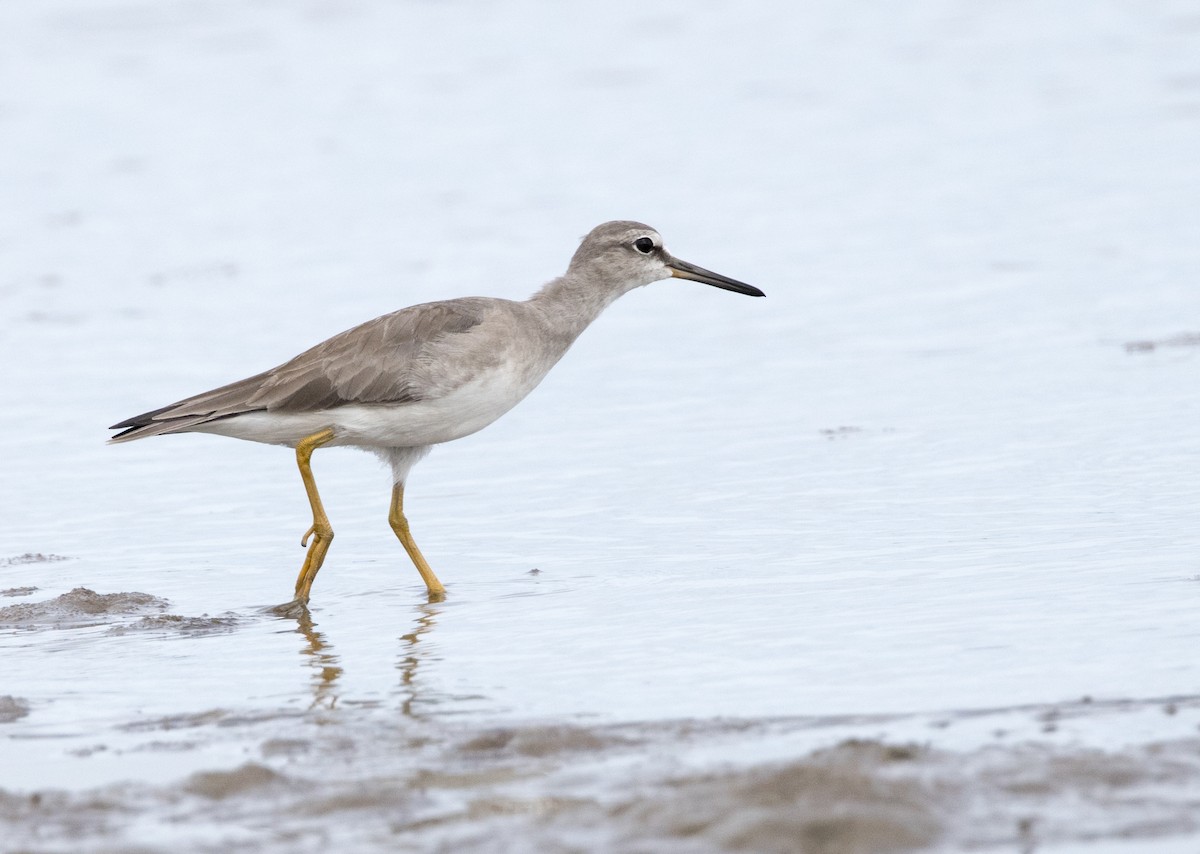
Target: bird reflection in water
column 323, row 661
column 327, row 667
column 411, row 656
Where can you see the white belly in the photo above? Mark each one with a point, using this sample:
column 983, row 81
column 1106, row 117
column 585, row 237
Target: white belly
column 403, row 425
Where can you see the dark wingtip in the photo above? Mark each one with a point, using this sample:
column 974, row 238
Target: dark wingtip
column 143, row 419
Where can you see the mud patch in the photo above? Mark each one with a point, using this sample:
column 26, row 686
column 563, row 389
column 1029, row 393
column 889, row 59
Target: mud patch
column 67, row 816
column 571, row 788
column 1056, row 796
column 218, row 785
column 843, row 799
column 175, row 624
column 212, row 717
column 12, row 708
column 1185, row 339
column 79, row 608
column 869, row 796
column 18, row 591
column 285, row 747
column 173, row 722
column 843, row 432
column 31, row 557
column 539, row 741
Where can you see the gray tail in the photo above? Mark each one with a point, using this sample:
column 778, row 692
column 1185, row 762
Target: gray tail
column 186, row 414
column 142, row 427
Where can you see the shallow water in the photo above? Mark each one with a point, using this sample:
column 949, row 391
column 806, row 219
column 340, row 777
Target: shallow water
column 904, row 555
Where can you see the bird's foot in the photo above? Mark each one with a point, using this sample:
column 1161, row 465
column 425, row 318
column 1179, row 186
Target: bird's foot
column 297, row 609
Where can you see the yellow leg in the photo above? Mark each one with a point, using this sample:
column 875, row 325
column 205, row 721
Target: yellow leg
column 400, row 525
column 321, row 531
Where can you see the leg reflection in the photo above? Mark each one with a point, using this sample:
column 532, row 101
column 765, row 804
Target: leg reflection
column 324, row 663
column 412, row 654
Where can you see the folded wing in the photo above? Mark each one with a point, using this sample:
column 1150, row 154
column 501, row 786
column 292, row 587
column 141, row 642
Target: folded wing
column 376, row 362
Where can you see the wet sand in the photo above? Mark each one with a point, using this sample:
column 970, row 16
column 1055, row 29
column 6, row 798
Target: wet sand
column 365, row 778
column 554, row 789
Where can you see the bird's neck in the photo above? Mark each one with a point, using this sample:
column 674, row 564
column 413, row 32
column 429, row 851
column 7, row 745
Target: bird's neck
column 570, row 303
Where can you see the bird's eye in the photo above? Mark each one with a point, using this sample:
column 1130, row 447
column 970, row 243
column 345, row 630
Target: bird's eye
column 644, row 245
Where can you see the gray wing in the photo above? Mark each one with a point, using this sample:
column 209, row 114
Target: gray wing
column 379, row 361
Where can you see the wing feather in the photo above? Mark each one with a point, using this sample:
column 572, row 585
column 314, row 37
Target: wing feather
column 376, row 362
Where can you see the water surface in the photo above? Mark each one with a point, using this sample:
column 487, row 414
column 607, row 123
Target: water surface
column 903, row 556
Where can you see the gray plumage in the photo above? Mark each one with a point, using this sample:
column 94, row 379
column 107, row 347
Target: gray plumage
column 382, row 361
column 429, row 352
column 401, row 383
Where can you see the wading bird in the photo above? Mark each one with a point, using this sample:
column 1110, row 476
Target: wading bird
column 421, row 376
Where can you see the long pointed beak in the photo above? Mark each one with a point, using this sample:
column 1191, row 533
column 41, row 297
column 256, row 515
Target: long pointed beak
column 683, row 270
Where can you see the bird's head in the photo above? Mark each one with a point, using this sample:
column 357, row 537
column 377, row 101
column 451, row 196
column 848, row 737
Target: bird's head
column 626, row 255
